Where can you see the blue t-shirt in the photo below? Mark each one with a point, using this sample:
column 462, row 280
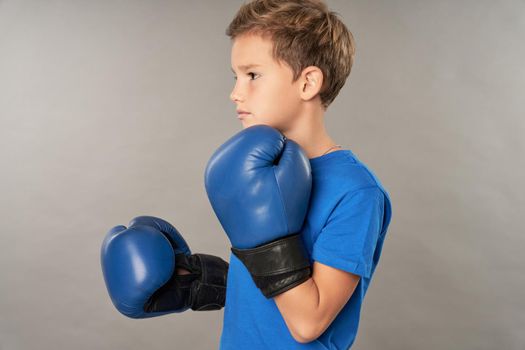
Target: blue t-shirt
column 345, row 227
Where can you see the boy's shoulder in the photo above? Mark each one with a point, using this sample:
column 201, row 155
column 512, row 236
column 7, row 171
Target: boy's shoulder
column 353, row 174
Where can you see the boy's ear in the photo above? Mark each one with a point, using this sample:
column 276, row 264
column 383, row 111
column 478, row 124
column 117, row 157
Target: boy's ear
column 311, row 82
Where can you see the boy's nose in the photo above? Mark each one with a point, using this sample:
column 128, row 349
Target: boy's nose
column 234, row 96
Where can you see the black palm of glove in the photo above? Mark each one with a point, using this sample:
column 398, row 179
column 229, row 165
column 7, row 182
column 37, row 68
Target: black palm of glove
column 202, row 289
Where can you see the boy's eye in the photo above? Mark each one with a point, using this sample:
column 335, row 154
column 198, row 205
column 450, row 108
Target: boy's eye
column 251, row 73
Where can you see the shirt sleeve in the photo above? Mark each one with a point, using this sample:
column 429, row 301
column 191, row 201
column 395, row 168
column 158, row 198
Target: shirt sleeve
column 350, row 236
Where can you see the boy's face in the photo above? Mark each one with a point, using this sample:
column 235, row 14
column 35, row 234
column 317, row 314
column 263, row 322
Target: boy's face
column 266, row 90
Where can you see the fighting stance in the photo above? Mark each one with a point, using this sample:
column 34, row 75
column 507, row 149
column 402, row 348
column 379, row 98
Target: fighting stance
column 306, row 219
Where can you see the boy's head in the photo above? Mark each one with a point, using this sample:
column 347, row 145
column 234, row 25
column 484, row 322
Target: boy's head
column 304, row 52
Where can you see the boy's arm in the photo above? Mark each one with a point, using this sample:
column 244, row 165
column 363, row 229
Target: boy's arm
column 310, row 308
column 346, row 249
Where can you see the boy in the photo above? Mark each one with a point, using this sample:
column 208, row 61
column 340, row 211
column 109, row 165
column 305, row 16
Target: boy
column 290, row 59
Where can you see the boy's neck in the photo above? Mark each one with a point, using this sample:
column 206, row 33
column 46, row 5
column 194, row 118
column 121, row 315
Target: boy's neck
column 310, row 133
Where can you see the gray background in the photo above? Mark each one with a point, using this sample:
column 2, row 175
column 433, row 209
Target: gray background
column 111, row 109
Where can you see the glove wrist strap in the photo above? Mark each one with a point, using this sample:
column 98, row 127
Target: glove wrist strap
column 277, row 266
column 208, row 290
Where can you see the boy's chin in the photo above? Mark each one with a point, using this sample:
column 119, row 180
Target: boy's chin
column 250, row 121
column 246, row 124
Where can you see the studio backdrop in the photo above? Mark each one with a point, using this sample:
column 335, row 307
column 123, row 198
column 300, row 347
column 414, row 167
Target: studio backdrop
column 111, row 109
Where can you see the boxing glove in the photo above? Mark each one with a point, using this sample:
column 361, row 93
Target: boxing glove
column 259, row 183
column 139, row 266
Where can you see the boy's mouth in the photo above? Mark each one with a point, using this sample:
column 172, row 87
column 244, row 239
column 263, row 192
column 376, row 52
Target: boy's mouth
column 242, row 115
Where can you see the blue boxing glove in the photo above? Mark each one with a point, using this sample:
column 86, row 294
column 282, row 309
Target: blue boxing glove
column 259, row 183
column 139, row 265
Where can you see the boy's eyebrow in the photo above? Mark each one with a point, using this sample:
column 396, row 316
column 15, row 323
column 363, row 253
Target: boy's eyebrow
column 247, row 66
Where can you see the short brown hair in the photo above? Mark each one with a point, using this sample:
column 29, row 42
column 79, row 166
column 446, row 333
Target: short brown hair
column 304, row 33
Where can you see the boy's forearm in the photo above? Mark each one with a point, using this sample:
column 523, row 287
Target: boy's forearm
column 299, row 307
column 311, row 307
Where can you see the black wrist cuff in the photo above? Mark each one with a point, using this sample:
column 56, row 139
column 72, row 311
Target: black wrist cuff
column 277, row 266
column 207, row 290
